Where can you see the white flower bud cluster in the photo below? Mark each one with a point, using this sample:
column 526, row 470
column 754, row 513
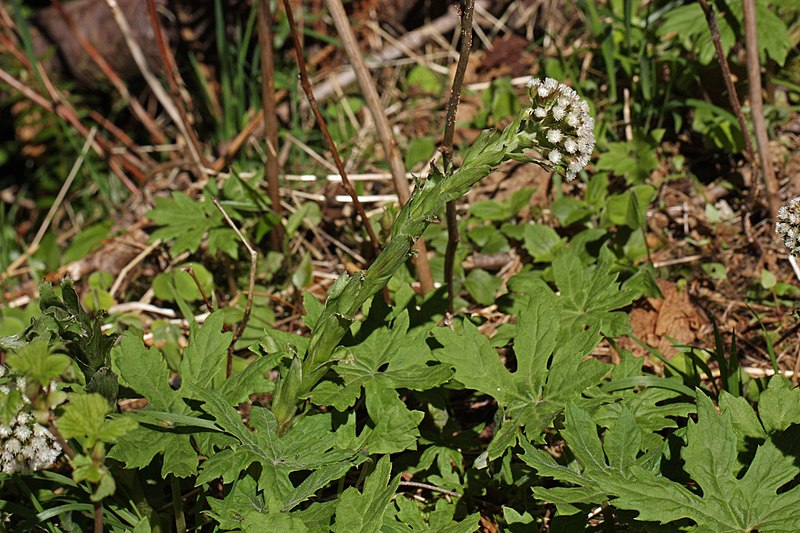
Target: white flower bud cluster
column 25, row 445
column 788, row 225
column 565, row 124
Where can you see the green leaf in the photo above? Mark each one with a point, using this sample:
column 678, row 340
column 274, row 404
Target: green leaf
column 406, row 516
column 88, row 240
column 38, row 362
column 145, row 371
column 779, row 405
column 391, row 357
column 482, row 286
column 363, row 512
column 308, row 445
column 85, row 416
column 542, row 242
column 205, row 358
column 183, row 220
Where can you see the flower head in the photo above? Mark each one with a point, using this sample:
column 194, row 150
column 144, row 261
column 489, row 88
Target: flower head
column 788, row 225
column 25, row 445
column 565, row 129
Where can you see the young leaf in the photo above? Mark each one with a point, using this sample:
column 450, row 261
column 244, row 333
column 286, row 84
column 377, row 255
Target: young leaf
column 183, row 220
column 85, row 416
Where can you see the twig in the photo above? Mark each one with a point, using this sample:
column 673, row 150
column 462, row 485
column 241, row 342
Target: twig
column 170, row 69
column 9, row 271
column 127, row 268
column 396, row 165
column 434, row 488
column 304, row 80
column 711, row 19
column 467, row 10
column 63, row 192
column 756, row 106
column 189, row 270
column 249, row 305
column 152, row 82
column 271, row 165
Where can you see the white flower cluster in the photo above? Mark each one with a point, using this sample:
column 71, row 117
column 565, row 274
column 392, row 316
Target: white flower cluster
column 788, row 225
column 25, row 445
column 565, row 124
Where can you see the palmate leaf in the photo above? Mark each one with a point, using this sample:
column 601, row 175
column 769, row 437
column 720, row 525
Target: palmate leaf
column 555, row 333
column 309, row 445
column 390, row 358
column 203, row 366
column 727, row 500
column 407, row 517
column 185, row 221
column 363, row 512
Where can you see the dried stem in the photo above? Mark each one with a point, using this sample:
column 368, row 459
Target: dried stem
column 370, row 92
column 711, row 19
column 67, row 113
column 756, row 106
column 306, row 83
column 433, row 488
column 271, row 165
column 467, row 10
column 144, row 117
column 152, row 82
column 170, row 69
column 249, row 305
column 189, row 270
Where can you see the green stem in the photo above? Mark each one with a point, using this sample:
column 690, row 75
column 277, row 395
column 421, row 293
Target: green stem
column 348, row 294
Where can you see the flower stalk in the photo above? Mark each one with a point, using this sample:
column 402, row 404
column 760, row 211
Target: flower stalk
column 555, row 108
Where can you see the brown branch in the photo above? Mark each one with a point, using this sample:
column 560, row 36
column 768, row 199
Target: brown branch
column 189, row 270
column 467, row 9
column 271, row 165
column 756, row 107
column 170, row 68
column 306, row 83
column 249, row 305
column 711, row 19
column 370, row 92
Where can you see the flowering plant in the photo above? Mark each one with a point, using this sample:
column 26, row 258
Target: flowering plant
column 556, row 124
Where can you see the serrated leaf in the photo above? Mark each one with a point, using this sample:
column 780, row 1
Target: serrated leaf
column 38, row 362
column 779, row 405
column 183, row 220
column 85, row 416
column 309, row 444
column 205, row 358
column 363, row 512
column 391, row 357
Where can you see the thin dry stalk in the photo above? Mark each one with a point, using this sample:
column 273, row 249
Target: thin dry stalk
column 189, row 270
column 136, row 108
column 370, row 92
column 271, row 165
column 249, row 304
column 756, row 106
column 467, row 10
column 306, row 83
column 53, row 208
column 152, row 82
column 171, row 71
column 711, row 19
column 127, row 268
column 59, row 106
